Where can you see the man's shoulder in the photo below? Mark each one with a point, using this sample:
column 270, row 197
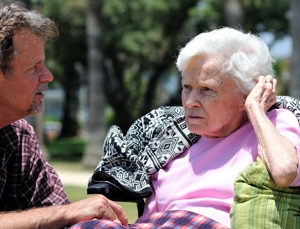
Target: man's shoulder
column 19, row 131
column 22, row 126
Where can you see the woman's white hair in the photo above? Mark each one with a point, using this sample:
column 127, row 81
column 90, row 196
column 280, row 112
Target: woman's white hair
column 243, row 56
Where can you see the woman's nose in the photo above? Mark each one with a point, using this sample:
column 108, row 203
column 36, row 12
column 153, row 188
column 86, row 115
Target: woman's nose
column 193, row 99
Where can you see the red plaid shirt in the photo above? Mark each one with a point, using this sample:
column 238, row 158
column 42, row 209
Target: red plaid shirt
column 26, row 178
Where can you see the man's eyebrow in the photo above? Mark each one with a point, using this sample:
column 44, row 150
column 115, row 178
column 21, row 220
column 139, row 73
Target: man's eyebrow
column 38, row 62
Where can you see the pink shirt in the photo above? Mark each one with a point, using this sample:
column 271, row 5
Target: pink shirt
column 201, row 179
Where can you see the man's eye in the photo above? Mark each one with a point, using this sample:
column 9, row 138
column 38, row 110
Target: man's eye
column 32, row 70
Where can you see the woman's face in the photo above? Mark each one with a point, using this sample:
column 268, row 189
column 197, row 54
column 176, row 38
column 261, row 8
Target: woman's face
column 212, row 107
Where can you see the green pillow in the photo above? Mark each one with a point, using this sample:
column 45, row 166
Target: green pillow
column 259, row 203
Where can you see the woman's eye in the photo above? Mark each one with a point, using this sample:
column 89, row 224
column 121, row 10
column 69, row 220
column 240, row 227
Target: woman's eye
column 206, row 89
column 186, row 87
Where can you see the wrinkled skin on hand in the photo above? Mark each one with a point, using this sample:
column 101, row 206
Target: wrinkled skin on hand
column 263, row 94
column 96, row 207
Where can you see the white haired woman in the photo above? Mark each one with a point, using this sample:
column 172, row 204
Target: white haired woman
column 227, row 87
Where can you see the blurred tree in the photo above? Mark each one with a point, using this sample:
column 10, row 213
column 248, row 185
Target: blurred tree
column 267, row 16
column 27, row 2
column 97, row 123
column 142, row 39
column 233, row 13
column 140, row 46
column 67, row 52
column 295, row 61
column 256, row 16
column 137, row 50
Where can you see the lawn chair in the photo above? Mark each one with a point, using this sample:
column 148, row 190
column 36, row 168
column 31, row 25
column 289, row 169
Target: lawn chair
column 115, row 193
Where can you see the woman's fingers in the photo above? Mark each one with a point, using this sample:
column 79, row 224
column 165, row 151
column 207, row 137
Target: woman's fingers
column 268, row 94
column 263, row 94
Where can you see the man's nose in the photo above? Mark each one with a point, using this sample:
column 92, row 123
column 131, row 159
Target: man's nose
column 46, row 75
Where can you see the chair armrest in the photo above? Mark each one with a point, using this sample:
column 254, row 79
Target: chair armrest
column 112, row 192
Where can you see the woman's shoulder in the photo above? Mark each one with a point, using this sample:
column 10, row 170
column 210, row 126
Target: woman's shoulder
column 283, row 116
column 281, row 112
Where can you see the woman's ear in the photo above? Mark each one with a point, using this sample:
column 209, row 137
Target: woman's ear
column 242, row 100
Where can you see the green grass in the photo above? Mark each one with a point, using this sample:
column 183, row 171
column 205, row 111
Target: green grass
column 78, row 193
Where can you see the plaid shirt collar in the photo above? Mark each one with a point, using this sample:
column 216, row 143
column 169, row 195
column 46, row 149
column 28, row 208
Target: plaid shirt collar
column 8, row 140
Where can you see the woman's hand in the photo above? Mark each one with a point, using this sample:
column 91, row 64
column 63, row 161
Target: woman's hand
column 263, row 94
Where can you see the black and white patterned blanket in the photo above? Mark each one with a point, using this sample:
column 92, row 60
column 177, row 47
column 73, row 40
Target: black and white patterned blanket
column 151, row 143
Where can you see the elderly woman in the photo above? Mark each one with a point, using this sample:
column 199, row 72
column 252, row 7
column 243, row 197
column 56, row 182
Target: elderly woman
column 227, row 90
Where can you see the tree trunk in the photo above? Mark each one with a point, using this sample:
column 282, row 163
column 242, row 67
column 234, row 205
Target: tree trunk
column 295, row 60
column 26, row 2
column 69, row 120
column 97, row 128
column 233, row 13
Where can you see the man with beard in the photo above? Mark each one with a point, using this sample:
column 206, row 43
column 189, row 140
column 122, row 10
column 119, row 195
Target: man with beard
column 31, row 193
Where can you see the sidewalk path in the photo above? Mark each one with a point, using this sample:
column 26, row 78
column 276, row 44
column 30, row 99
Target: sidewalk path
column 74, row 178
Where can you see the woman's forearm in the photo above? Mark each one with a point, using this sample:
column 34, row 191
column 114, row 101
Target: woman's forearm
column 277, row 152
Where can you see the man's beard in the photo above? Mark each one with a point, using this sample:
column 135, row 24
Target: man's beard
column 35, row 108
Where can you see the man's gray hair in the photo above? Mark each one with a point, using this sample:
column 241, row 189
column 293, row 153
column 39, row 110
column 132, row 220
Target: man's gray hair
column 15, row 17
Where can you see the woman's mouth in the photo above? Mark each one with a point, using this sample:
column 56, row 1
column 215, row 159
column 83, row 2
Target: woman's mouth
column 195, row 117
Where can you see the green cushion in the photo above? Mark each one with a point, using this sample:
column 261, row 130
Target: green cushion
column 259, row 203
